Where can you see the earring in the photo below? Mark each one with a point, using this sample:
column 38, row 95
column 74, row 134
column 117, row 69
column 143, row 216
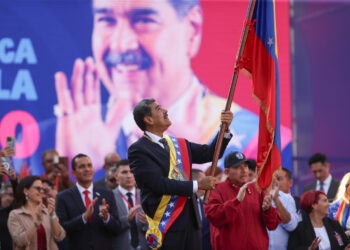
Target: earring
column 26, row 197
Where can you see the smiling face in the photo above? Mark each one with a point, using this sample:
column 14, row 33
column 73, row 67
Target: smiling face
column 83, row 172
column 321, row 207
column 142, row 48
column 35, row 193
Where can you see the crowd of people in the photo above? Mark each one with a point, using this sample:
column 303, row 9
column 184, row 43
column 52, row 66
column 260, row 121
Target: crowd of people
column 143, row 202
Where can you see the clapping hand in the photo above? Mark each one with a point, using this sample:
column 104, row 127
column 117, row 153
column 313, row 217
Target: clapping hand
column 275, row 188
column 314, row 244
column 267, row 202
column 51, row 206
column 141, row 217
column 132, row 212
column 90, row 210
column 104, row 210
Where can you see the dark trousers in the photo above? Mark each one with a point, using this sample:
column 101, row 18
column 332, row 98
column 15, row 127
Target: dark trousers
column 190, row 238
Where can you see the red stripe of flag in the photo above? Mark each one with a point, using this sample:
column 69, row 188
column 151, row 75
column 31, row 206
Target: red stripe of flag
column 261, row 62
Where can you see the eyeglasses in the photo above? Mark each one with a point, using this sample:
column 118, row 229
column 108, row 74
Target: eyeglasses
column 39, row 189
column 113, row 180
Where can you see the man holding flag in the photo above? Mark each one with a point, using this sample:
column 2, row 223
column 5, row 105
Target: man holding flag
column 236, row 209
column 162, row 166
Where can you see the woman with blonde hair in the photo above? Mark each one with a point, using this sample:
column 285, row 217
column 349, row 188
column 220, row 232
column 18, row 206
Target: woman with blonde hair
column 340, row 208
column 32, row 225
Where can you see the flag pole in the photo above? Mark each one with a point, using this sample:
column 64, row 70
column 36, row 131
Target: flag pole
column 223, row 126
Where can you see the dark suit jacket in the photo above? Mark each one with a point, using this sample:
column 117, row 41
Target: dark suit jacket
column 92, row 235
column 302, row 237
column 205, row 229
column 150, row 165
column 332, row 191
column 100, row 183
column 123, row 239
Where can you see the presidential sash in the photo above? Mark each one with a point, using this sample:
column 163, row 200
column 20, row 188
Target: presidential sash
column 170, row 206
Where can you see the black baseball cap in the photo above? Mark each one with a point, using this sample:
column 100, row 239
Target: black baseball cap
column 234, row 159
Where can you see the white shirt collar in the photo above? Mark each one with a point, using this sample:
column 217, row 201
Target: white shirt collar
column 327, row 181
column 82, row 189
column 154, row 137
column 124, row 191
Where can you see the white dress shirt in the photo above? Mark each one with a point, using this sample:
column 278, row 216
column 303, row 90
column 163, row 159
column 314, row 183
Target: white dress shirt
column 82, row 190
column 326, row 184
column 321, row 232
column 156, row 138
column 278, row 239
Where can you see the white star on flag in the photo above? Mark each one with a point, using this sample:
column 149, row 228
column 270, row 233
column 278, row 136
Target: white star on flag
column 171, row 204
column 270, row 42
column 167, row 214
column 178, row 161
column 163, row 223
column 176, row 146
column 237, row 140
column 178, row 152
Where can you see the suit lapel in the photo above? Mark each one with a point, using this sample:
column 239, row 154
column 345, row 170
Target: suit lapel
column 332, row 187
column 78, row 199
column 162, row 154
column 97, row 194
column 330, row 233
column 120, row 203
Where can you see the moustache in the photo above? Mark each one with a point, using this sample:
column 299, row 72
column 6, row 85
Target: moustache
column 136, row 57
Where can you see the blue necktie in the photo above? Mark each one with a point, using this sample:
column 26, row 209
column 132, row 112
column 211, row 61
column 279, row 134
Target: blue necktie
column 321, row 186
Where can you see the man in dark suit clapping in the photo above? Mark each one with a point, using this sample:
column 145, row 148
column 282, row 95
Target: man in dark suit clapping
column 162, row 167
column 87, row 213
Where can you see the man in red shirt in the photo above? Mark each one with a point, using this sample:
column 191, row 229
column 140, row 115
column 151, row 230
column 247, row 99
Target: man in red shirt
column 237, row 212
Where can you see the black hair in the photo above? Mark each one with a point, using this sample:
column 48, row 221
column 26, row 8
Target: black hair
column 288, row 173
column 141, row 110
column 77, row 157
column 318, row 157
column 20, row 198
column 251, row 164
column 47, row 182
column 123, row 163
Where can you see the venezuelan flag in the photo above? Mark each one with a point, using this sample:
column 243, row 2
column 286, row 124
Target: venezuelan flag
column 260, row 60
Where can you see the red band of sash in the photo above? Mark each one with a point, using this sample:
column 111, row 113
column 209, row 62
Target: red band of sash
column 186, row 168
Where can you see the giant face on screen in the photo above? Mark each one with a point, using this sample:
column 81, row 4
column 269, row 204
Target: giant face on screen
column 144, row 47
column 179, row 52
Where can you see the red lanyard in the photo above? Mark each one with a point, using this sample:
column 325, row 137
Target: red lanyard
column 129, row 205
